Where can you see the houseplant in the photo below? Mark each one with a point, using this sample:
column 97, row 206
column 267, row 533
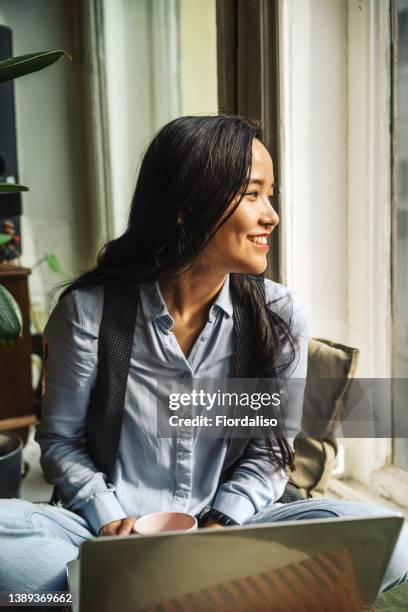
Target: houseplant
column 10, row 316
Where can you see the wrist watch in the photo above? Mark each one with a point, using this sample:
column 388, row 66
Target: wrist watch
column 209, row 513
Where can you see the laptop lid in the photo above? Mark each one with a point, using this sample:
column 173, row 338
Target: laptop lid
column 287, row 562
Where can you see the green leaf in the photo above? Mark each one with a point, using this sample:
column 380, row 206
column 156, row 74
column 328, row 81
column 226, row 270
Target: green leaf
column 26, row 64
column 53, row 263
column 12, row 187
column 11, row 323
column 4, row 239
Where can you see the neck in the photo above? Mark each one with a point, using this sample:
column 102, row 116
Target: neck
column 190, row 294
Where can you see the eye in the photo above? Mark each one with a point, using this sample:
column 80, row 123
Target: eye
column 255, row 195
column 252, row 194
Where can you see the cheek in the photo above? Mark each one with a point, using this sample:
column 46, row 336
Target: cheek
column 233, row 234
column 233, row 237
column 242, row 222
column 247, row 217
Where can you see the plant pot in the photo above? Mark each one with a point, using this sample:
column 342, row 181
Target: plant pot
column 11, row 460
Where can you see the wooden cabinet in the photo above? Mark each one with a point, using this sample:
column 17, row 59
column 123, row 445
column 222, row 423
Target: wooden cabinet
column 16, row 395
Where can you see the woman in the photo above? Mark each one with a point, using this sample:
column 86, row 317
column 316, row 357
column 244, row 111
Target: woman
column 200, row 222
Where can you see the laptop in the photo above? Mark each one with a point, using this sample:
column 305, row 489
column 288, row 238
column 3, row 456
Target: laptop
column 336, row 562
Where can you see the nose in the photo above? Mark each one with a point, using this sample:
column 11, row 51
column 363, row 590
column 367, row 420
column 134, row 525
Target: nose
column 269, row 216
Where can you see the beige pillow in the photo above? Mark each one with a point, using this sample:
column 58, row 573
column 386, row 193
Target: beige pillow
column 316, row 448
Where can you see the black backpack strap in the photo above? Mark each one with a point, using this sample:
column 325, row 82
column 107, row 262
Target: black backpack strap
column 242, row 368
column 244, row 333
column 105, row 413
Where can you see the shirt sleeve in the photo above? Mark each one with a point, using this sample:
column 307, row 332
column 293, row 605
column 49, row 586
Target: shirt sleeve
column 256, row 482
column 72, row 362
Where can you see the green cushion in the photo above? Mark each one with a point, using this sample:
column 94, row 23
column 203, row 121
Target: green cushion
column 393, row 600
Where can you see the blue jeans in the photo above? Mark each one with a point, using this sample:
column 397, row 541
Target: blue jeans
column 38, row 540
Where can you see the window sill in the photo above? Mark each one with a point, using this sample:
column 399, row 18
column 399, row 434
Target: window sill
column 388, row 484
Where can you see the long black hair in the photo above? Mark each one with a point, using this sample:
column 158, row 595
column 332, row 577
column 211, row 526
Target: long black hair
column 193, row 169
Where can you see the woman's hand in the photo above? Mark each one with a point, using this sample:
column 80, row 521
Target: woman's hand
column 120, row 527
column 213, row 525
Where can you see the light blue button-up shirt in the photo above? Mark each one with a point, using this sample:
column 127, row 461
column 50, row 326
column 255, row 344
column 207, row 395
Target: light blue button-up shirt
column 151, row 473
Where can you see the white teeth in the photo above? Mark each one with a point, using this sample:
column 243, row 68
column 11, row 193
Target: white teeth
column 258, row 239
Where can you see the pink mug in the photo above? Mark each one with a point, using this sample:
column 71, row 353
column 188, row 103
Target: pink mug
column 164, row 521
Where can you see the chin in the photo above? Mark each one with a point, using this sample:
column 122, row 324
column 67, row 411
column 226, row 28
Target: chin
column 255, row 268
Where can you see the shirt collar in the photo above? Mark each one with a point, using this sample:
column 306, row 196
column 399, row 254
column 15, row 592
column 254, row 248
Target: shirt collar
column 154, row 307
column 224, row 300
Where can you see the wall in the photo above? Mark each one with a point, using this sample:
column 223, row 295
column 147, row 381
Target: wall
column 51, row 153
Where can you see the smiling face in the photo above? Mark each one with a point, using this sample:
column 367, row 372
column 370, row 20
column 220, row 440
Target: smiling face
column 241, row 243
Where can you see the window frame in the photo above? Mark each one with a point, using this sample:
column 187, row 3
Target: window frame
column 248, row 83
column 369, row 463
column 366, row 321
column 395, row 194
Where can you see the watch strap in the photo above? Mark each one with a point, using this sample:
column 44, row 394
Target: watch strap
column 208, row 513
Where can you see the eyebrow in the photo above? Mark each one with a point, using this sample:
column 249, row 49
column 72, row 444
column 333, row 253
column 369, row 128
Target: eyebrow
column 259, row 182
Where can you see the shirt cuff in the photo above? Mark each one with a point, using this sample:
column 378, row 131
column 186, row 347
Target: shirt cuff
column 234, row 505
column 102, row 509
